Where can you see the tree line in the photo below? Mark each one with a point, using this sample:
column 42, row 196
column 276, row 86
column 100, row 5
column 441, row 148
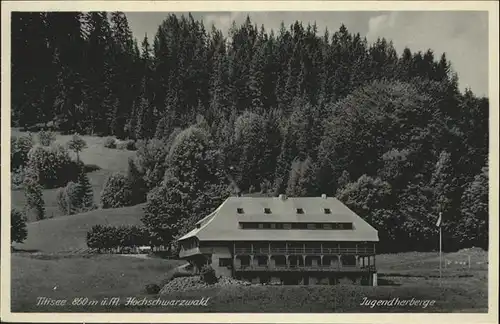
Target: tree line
column 291, row 111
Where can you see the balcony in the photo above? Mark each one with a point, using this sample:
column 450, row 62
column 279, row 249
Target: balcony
column 188, row 252
column 305, row 268
column 309, row 251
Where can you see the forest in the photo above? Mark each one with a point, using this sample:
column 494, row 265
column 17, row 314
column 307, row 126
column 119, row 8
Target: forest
column 296, row 111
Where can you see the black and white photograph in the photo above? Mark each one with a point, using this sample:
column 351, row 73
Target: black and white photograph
column 248, row 161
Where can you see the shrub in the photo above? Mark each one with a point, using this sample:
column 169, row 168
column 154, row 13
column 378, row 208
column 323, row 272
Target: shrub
column 126, row 145
column 91, row 168
column 118, row 238
column 18, row 231
column 67, row 198
column 17, row 178
column 19, row 149
column 152, row 289
column 207, row 275
column 130, row 145
column 46, row 138
column 110, row 142
column 52, row 165
column 116, row 192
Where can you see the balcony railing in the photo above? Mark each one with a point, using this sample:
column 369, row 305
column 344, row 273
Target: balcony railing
column 317, row 251
column 326, row 268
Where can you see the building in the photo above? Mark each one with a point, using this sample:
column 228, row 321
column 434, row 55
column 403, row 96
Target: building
column 303, row 240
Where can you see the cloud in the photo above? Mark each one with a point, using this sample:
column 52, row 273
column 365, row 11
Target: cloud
column 463, row 36
column 379, row 24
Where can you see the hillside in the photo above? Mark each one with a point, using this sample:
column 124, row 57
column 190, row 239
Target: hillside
column 104, row 161
column 91, row 276
column 95, row 153
column 68, row 234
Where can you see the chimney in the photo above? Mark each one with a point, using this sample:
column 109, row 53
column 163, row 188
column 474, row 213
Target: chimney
column 323, row 196
column 282, row 197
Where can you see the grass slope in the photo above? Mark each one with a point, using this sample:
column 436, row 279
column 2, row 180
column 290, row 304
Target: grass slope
column 100, row 276
column 80, row 276
column 109, row 160
column 96, row 178
column 69, row 233
column 95, row 153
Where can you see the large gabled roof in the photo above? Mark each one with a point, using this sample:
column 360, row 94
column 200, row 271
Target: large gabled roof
column 223, row 223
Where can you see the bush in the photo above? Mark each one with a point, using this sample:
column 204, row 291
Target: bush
column 207, row 275
column 67, row 198
column 46, row 138
column 52, row 165
column 116, row 238
column 18, row 231
column 19, row 149
column 91, row 168
column 17, row 178
column 116, row 192
column 127, row 145
column 110, row 143
column 152, row 289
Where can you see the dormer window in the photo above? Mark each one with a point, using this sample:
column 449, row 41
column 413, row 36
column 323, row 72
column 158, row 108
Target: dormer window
column 198, row 225
column 328, row 211
column 267, row 210
column 240, row 211
column 300, row 211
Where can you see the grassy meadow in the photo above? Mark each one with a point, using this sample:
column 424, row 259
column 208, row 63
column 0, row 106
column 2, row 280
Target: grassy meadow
column 108, row 160
column 69, row 234
column 99, row 276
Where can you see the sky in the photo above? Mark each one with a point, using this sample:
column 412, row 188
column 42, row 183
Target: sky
column 462, row 35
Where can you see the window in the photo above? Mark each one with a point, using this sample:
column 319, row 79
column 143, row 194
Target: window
column 240, row 210
column 225, row 262
column 267, row 210
column 311, row 226
column 300, row 211
column 198, row 225
column 348, row 226
column 296, row 226
column 328, row 211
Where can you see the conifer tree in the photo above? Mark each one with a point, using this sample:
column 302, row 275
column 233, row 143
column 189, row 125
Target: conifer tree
column 33, row 193
column 85, row 193
column 18, row 230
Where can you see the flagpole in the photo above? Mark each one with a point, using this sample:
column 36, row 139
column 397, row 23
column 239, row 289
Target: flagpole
column 440, row 253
